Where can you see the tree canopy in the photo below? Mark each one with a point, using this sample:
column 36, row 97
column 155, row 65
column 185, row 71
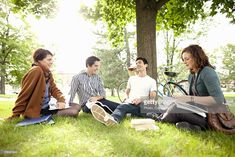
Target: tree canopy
column 175, row 14
column 161, row 14
column 35, row 7
column 16, row 45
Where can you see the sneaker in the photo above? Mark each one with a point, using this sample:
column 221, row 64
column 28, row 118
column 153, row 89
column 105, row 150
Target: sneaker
column 90, row 103
column 102, row 116
column 188, row 126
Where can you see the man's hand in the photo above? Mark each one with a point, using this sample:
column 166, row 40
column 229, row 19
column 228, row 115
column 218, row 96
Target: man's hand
column 60, row 105
column 136, row 101
column 94, row 98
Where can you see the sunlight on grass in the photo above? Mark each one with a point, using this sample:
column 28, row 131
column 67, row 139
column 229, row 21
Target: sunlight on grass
column 8, row 95
column 84, row 136
column 5, row 108
column 229, row 95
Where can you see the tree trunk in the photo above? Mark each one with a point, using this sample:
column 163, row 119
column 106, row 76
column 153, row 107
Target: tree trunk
column 2, row 81
column 167, row 49
column 112, row 92
column 173, row 49
column 146, row 34
column 128, row 54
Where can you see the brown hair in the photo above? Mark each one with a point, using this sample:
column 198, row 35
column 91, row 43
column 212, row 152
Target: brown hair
column 40, row 54
column 198, row 55
column 91, row 60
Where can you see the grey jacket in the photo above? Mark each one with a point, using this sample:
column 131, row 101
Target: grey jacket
column 207, row 83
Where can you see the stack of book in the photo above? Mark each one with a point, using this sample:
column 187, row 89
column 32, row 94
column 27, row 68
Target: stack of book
column 143, row 124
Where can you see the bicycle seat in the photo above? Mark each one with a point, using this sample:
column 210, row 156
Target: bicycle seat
column 170, row 74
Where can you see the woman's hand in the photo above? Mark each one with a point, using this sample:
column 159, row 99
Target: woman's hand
column 60, row 105
column 184, row 98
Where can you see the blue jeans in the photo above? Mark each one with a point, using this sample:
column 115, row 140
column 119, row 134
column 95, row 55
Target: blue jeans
column 121, row 111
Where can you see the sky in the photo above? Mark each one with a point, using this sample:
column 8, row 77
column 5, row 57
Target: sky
column 67, row 35
column 70, row 37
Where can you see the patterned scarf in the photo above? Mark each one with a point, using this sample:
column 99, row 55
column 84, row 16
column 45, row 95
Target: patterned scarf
column 46, row 71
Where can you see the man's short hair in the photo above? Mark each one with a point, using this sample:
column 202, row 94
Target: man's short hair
column 91, row 60
column 143, row 59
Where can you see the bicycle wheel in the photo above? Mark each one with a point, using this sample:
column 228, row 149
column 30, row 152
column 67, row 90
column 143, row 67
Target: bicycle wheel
column 185, row 85
column 121, row 91
column 171, row 88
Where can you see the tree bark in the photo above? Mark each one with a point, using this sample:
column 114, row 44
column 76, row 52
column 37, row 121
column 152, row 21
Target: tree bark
column 112, row 92
column 128, row 54
column 146, row 34
column 2, row 81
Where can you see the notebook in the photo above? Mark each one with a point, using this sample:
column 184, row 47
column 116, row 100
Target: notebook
column 30, row 121
column 144, row 124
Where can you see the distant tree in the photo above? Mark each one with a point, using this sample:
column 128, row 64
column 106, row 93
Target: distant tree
column 113, row 64
column 95, row 17
column 171, row 42
column 229, row 65
column 16, row 45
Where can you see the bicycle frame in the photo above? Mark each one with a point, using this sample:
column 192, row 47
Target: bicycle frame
column 171, row 85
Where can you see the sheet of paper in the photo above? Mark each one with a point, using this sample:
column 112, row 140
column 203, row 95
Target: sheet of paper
column 53, row 101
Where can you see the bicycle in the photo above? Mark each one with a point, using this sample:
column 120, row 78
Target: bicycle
column 168, row 89
column 174, row 88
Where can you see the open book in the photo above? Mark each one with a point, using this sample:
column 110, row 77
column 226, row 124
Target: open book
column 189, row 106
column 195, row 108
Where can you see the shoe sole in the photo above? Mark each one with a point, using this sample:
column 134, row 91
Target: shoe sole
column 99, row 114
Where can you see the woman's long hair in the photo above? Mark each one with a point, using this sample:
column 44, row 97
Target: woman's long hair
column 199, row 56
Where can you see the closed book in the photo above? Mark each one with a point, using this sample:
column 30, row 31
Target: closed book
column 31, row 121
column 143, row 124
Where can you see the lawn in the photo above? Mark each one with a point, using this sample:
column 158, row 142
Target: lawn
column 229, row 95
column 84, row 136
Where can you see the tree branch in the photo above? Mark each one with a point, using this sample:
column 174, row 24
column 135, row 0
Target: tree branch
column 157, row 6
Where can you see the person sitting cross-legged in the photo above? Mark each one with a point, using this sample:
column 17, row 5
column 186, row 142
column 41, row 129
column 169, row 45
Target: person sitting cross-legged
column 139, row 88
column 37, row 89
column 89, row 87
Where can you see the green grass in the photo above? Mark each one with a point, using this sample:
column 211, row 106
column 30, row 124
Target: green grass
column 84, row 136
column 8, row 95
column 229, row 95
